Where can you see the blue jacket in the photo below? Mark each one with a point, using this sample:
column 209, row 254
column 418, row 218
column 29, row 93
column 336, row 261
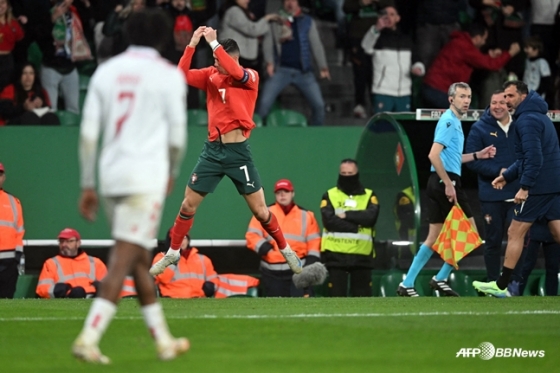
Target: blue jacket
column 487, row 132
column 536, row 148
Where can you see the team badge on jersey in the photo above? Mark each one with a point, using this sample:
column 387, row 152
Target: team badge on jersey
column 488, row 218
column 194, row 178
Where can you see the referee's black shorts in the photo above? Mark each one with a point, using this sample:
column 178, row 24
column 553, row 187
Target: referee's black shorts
column 438, row 204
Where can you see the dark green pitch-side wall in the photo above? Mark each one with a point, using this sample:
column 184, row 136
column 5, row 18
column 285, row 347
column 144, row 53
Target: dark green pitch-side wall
column 42, row 171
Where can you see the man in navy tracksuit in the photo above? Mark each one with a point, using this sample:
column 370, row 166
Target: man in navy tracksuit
column 494, row 128
column 538, row 169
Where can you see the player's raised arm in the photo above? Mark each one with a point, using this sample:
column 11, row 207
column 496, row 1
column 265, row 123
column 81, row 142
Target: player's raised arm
column 195, row 77
column 227, row 61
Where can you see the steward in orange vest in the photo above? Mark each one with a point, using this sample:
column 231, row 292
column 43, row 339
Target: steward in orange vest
column 11, row 239
column 72, row 273
column 302, row 233
column 193, row 276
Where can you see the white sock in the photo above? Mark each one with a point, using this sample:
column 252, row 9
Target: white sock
column 172, row 252
column 100, row 315
column 155, row 321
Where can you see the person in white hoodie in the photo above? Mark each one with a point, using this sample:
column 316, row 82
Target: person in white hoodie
column 391, row 52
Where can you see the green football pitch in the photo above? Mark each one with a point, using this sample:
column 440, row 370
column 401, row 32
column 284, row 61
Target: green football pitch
column 293, row 335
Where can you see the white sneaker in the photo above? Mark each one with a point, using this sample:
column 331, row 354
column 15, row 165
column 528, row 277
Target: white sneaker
column 171, row 257
column 360, row 112
column 171, row 351
column 292, row 259
column 89, row 353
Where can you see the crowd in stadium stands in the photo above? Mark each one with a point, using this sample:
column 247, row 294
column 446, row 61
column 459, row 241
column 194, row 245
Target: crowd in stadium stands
column 66, row 39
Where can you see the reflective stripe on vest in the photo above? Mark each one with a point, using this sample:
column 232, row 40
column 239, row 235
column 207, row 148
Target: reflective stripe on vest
column 7, row 254
column 279, row 266
column 262, row 241
column 346, row 242
column 128, row 286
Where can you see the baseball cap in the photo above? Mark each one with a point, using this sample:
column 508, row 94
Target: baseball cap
column 183, row 23
column 1, row 167
column 67, row 233
column 283, row 184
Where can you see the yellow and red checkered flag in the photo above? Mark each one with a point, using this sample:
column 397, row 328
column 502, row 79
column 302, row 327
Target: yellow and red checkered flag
column 457, row 237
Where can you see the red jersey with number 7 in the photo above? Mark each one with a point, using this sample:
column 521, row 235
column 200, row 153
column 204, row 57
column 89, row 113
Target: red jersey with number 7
column 230, row 98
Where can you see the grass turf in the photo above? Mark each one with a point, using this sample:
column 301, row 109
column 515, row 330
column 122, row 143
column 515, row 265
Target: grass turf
column 291, row 335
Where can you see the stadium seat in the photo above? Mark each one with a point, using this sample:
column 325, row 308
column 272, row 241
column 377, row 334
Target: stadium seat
column 34, row 55
column 251, row 293
column 462, row 284
column 68, row 118
column 84, row 82
column 197, row 117
column 26, row 286
column 541, row 290
column 322, row 290
column 82, row 99
column 376, row 283
column 285, row 118
column 86, row 67
column 542, row 284
column 532, row 285
column 422, row 284
column 276, row 106
column 258, row 120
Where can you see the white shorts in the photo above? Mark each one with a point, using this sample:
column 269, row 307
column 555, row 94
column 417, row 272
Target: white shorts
column 135, row 218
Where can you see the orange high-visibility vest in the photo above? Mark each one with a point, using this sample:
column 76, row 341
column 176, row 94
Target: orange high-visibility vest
column 11, row 226
column 128, row 289
column 185, row 279
column 81, row 270
column 231, row 284
column 300, row 229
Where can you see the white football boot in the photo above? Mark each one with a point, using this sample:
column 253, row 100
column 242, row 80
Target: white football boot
column 171, row 257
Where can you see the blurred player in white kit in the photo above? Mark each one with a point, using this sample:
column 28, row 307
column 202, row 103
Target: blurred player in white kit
column 137, row 101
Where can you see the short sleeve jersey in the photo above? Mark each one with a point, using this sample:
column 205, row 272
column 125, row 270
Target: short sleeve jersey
column 449, row 133
column 137, row 100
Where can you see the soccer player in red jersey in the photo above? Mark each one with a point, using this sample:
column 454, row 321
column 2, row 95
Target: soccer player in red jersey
column 231, row 92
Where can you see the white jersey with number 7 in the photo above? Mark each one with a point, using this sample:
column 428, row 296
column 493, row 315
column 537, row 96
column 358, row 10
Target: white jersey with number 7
column 138, row 101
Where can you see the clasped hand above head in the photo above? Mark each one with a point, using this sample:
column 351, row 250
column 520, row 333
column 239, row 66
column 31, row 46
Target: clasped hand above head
column 203, row 31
